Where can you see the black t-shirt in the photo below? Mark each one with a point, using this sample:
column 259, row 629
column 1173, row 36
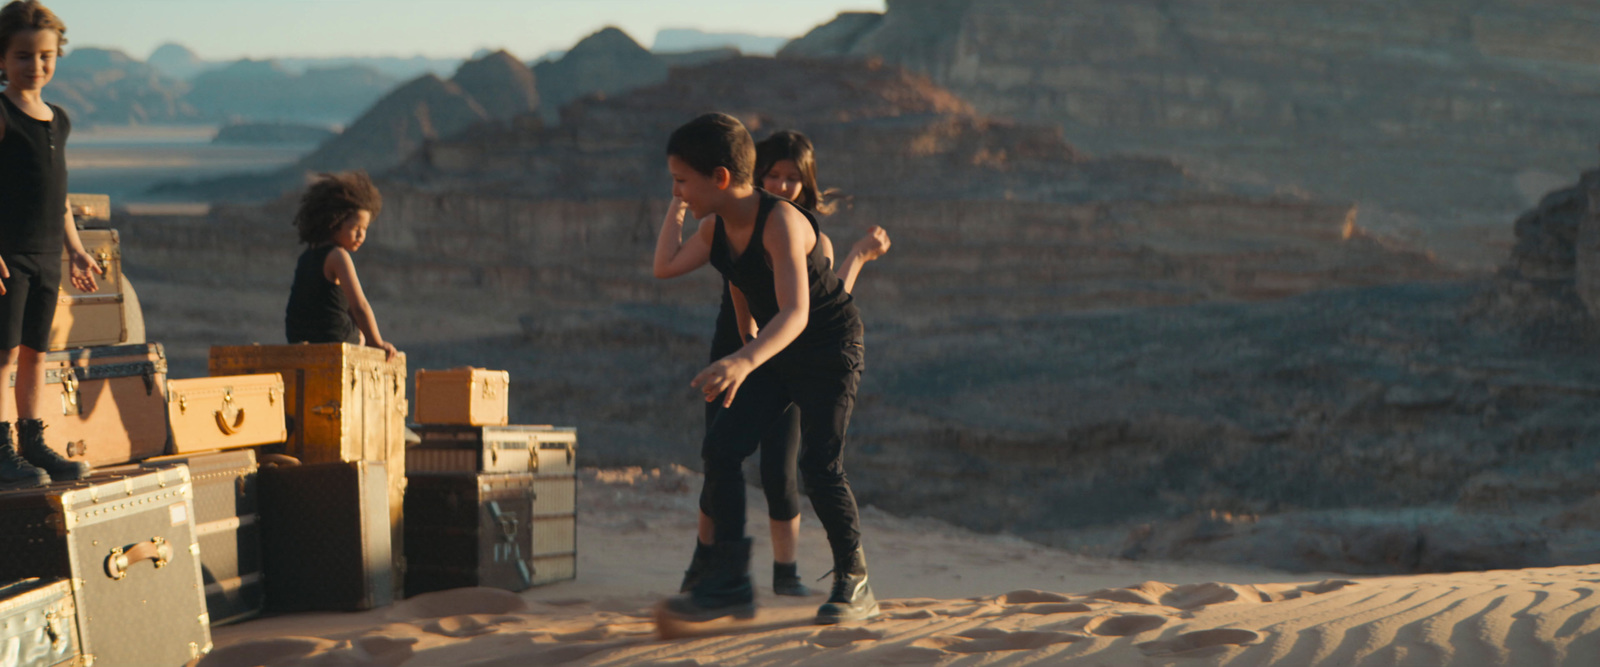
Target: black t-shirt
column 833, row 319
column 33, row 181
column 318, row 311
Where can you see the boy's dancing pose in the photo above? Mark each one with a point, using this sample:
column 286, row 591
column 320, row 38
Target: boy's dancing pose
column 809, row 353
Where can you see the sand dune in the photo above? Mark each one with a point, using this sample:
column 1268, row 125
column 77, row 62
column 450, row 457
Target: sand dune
column 1514, row 617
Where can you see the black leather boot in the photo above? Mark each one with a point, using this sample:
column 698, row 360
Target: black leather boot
column 16, row 472
column 30, row 433
column 851, row 599
column 723, row 590
column 697, row 566
column 786, row 580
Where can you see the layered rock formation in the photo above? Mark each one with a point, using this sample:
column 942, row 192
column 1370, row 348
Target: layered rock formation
column 1431, row 115
column 607, row 62
column 100, row 86
column 500, row 84
column 265, row 90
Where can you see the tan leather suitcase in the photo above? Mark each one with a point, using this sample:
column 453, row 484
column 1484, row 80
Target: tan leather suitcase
column 467, row 396
column 225, row 412
column 105, row 405
column 87, row 208
column 342, row 403
column 86, row 319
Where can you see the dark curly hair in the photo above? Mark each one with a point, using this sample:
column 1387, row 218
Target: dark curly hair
column 23, row 15
column 792, row 145
column 333, row 199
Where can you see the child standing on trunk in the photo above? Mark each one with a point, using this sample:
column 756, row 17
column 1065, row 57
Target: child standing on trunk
column 35, row 225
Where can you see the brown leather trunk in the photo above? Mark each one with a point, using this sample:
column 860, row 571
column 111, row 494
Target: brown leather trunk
column 85, row 319
column 545, row 450
column 501, row 530
column 467, row 396
column 324, row 537
column 225, row 412
column 344, row 403
column 228, row 530
column 106, row 405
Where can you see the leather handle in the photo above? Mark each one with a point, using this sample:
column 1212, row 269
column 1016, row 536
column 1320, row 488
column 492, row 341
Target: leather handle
column 227, row 429
column 121, row 558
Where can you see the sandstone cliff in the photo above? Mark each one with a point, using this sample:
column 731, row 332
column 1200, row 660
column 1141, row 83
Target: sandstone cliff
column 398, row 124
column 1433, row 116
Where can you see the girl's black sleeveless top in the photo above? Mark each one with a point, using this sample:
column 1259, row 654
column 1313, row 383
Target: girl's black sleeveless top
column 318, row 311
column 833, row 320
column 33, row 181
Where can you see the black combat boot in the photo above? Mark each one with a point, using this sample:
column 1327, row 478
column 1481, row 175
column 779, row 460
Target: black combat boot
column 786, row 580
column 15, row 472
column 724, row 588
column 697, row 566
column 30, row 433
column 851, row 599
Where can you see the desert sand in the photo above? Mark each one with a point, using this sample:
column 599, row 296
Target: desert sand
column 949, row 597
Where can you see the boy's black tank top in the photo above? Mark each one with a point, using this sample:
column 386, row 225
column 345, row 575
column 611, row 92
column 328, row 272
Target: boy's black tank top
column 318, row 311
column 833, row 319
column 33, row 180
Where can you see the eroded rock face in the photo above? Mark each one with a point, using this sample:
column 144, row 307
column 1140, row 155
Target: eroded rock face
column 607, row 62
column 1425, row 113
column 396, row 126
column 500, row 83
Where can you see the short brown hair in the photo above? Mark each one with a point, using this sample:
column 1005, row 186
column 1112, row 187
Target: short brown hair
column 332, row 200
column 24, row 15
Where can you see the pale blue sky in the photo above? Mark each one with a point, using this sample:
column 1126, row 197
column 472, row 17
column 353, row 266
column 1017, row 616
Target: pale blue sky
column 228, row 29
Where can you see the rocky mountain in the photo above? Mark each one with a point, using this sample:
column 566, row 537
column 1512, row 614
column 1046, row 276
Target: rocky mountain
column 399, row 123
column 264, row 90
column 100, row 86
column 607, row 62
column 500, row 83
column 178, row 61
column 680, row 40
column 1441, row 119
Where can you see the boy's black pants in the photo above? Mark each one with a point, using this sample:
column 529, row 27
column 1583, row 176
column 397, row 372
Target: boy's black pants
column 822, row 383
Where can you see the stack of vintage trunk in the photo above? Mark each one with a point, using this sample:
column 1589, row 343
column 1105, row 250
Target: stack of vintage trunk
column 104, row 570
column 486, row 504
column 332, row 534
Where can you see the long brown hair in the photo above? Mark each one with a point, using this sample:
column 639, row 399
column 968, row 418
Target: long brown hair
column 23, row 15
column 331, row 201
column 792, row 145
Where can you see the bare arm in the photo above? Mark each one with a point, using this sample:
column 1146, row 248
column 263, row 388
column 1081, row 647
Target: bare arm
column 674, row 255
column 787, row 238
column 870, row 247
column 339, row 268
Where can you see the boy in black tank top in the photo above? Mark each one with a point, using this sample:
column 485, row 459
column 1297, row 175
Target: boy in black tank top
column 809, row 353
column 35, row 225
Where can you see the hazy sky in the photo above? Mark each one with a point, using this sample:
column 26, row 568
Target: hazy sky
column 228, row 29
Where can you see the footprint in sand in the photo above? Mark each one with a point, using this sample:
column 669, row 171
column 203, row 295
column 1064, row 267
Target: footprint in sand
column 1203, row 641
column 989, row 640
column 836, row 637
column 458, row 602
column 1047, row 608
column 912, row 615
column 386, row 651
column 911, row 655
column 266, row 652
column 1124, row 625
column 459, row 626
column 1030, row 596
column 1149, row 592
column 1194, row 596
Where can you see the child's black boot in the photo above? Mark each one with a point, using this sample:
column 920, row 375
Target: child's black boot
column 697, row 566
column 851, row 599
column 723, row 590
column 16, row 472
column 30, row 433
column 786, row 580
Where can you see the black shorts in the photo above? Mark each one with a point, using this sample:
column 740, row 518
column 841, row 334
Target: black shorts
column 29, row 304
